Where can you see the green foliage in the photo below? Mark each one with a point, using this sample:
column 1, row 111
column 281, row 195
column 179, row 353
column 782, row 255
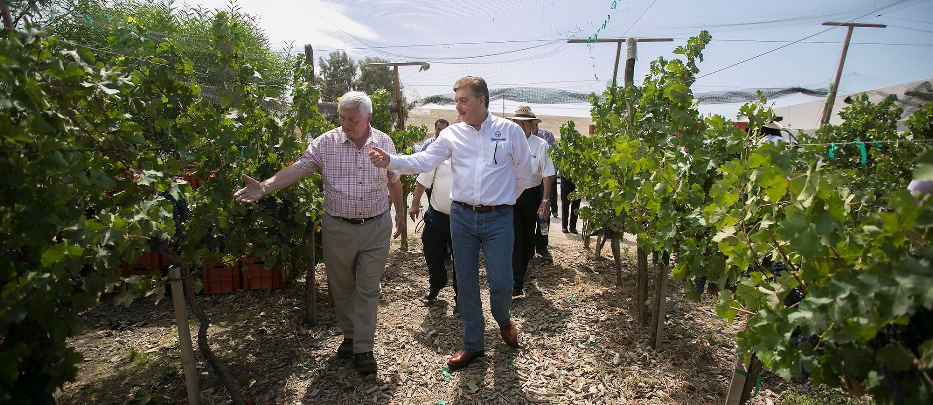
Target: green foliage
column 853, row 306
column 337, row 74
column 375, row 78
column 77, row 198
column 93, row 146
column 403, row 138
column 88, row 25
column 886, row 165
column 372, row 79
column 382, row 114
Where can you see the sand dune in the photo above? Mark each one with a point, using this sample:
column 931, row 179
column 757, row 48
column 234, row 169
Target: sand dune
column 427, row 117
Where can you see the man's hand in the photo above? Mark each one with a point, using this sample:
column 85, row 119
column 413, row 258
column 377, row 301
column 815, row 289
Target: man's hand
column 379, row 157
column 399, row 223
column 413, row 211
column 251, row 193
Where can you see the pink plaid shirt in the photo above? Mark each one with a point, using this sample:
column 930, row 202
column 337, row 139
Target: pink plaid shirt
column 353, row 186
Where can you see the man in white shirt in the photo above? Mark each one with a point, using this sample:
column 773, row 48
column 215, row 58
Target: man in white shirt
column 491, row 160
column 435, row 238
column 439, row 126
column 533, row 202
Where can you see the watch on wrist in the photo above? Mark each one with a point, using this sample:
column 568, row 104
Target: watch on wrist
column 545, row 200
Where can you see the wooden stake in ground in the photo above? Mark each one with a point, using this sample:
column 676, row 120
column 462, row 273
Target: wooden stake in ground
column 218, row 365
column 660, row 301
column 740, row 388
column 642, row 287
column 310, row 295
column 184, row 335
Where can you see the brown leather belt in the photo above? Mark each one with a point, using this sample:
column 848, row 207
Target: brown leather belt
column 357, row 221
column 477, row 208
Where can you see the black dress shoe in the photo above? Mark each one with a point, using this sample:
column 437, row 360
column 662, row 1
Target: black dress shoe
column 345, row 350
column 574, row 231
column 546, row 255
column 564, row 230
column 463, row 358
column 517, row 292
column 431, row 294
column 365, row 363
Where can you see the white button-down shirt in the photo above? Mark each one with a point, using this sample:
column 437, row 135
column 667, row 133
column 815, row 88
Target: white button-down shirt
column 491, row 166
column 541, row 164
column 440, row 180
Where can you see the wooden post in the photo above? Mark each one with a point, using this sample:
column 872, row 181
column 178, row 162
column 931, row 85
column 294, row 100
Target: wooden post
column 642, row 293
column 7, row 17
column 184, row 335
column 743, row 380
column 737, row 384
column 398, row 102
column 831, row 98
column 754, row 369
column 600, row 241
column 617, row 255
column 660, row 301
column 615, row 69
column 631, row 50
column 309, row 59
column 310, row 295
column 618, row 42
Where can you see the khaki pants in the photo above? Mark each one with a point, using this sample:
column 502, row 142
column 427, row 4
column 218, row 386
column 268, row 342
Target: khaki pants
column 354, row 259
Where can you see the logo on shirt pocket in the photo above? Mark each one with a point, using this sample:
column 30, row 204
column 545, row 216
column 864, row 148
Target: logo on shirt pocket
column 498, row 151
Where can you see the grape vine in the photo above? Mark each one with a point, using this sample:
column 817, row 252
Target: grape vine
column 827, row 260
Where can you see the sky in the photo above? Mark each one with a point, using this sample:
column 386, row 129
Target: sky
column 523, row 43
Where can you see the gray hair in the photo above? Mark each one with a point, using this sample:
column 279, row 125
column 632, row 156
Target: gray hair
column 356, row 99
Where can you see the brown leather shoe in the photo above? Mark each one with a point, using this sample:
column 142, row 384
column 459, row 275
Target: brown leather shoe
column 463, row 358
column 509, row 334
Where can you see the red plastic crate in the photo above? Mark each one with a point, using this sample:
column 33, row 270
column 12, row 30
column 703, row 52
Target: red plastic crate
column 147, row 263
column 140, row 270
column 219, row 278
column 256, row 276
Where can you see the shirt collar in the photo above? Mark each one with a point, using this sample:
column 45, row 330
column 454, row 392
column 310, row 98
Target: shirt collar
column 487, row 122
column 342, row 136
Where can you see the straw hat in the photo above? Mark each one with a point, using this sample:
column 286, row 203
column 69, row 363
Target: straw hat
column 523, row 113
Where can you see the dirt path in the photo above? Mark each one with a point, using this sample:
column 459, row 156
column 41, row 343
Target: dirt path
column 579, row 341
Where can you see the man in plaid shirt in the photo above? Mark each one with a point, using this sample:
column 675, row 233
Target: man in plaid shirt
column 356, row 225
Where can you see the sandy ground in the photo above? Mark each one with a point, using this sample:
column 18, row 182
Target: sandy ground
column 427, row 117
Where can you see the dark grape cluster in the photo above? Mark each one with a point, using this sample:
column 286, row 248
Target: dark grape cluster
column 158, row 245
column 270, row 205
column 285, row 212
column 801, row 340
column 215, row 244
column 804, row 342
column 778, row 267
column 892, row 380
column 180, row 214
column 793, row 297
column 90, row 212
column 699, row 284
column 8, row 255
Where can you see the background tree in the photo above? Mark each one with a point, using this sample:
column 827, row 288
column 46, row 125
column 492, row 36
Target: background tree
column 374, row 78
column 337, row 75
column 87, row 24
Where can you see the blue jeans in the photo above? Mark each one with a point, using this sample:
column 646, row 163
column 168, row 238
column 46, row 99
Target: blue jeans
column 492, row 231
